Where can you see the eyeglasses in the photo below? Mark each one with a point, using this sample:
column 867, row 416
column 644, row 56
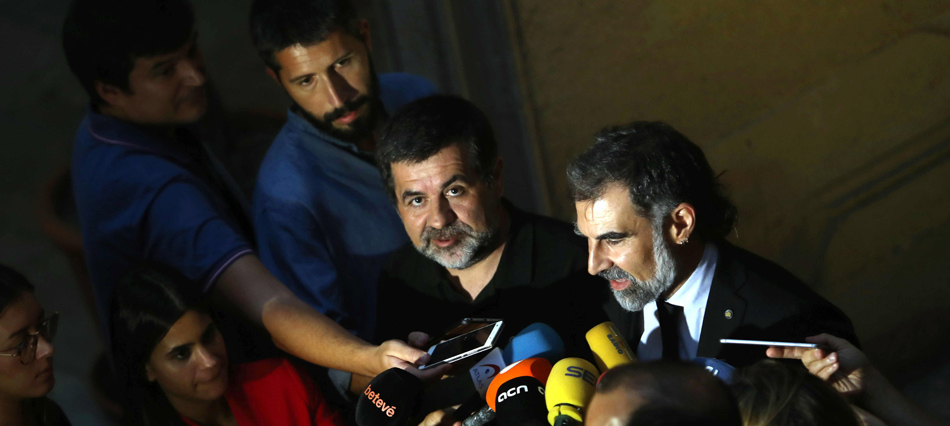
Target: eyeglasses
column 26, row 350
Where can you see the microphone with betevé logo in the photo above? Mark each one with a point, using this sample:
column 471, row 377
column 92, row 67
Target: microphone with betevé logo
column 390, row 399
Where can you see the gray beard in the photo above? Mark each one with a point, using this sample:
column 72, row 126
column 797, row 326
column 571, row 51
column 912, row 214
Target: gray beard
column 639, row 293
column 472, row 247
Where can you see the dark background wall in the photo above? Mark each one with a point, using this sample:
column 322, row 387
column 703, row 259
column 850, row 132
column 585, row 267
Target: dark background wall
column 830, row 118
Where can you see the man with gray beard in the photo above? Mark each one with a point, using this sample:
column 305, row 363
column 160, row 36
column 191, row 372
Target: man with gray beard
column 655, row 218
column 473, row 253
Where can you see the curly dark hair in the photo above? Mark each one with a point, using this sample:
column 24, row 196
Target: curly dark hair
column 661, row 168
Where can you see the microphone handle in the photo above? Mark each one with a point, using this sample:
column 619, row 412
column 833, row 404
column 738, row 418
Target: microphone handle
column 480, row 418
column 565, row 420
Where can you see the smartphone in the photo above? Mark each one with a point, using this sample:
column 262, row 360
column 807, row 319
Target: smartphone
column 464, row 326
column 473, row 342
column 768, row 343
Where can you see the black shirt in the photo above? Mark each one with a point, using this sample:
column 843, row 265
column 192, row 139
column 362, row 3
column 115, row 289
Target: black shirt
column 541, row 277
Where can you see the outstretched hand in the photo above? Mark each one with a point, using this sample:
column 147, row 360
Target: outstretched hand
column 836, row 361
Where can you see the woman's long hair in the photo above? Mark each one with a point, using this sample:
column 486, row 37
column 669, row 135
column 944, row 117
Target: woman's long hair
column 771, row 393
column 145, row 305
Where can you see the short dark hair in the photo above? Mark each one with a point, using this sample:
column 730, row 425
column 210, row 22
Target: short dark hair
column 661, row 168
column 103, row 38
column 676, row 385
column 279, row 24
column 146, row 303
column 426, row 126
column 773, row 393
column 12, row 285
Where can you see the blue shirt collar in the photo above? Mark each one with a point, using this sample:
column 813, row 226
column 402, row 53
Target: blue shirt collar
column 110, row 130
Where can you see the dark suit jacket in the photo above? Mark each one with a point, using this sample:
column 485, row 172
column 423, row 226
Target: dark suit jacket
column 750, row 298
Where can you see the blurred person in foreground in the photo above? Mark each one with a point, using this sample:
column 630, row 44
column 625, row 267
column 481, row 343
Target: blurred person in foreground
column 771, row 393
column 26, row 355
column 173, row 363
column 848, row 370
column 147, row 189
column 656, row 219
column 661, row 393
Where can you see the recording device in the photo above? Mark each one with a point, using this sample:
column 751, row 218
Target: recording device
column 464, row 326
column 609, row 347
column 767, row 343
column 569, row 390
column 465, row 345
column 539, row 368
column 390, row 399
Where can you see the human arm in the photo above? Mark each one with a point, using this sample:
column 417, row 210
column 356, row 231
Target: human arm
column 849, row 371
column 300, row 330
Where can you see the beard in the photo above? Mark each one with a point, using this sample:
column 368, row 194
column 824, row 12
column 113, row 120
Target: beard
column 469, row 248
column 359, row 129
column 639, row 293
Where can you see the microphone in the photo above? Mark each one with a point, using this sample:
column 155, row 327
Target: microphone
column 536, row 340
column 520, row 402
column 609, row 347
column 538, row 368
column 569, row 390
column 390, row 399
column 718, row 368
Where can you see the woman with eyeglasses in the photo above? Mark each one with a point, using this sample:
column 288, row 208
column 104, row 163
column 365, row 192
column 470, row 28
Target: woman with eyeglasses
column 26, row 355
column 173, row 364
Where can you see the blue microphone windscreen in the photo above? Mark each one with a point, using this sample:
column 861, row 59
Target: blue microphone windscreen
column 536, row 340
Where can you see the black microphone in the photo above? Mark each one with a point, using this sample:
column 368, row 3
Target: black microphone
column 390, row 399
column 520, row 402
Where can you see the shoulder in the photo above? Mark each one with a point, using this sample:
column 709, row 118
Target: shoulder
column 288, row 173
column 744, row 265
column 397, row 89
column 405, row 263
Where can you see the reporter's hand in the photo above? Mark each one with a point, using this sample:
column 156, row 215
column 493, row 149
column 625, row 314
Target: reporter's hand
column 394, row 353
column 441, row 418
column 836, row 361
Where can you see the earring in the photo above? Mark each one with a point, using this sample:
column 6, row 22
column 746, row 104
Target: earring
column 685, row 240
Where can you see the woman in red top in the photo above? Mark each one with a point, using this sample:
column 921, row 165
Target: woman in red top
column 172, row 362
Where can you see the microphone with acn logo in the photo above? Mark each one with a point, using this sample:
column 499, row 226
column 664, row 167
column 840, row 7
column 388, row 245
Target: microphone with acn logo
column 569, row 390
column 520, row 402
column 390, row 399
column 609, row 347
column 539, row 368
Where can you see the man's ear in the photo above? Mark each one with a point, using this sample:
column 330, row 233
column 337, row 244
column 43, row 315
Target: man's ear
column 109, row 93
column 364, row 34
column 498, row 176
column 683, row 222
column 149, row 374
column 273, row 75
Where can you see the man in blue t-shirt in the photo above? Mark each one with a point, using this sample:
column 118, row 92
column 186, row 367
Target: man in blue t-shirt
column 147, row 190
column 324, row 224
column 323, row 221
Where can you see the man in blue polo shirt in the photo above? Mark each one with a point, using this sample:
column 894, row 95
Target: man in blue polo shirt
column 147, row 190
column 324, row 223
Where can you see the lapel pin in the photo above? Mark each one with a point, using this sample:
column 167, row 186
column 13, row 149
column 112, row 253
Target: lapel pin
column 728, row 314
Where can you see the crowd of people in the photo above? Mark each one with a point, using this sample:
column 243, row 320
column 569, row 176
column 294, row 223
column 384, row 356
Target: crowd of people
column 378, row 221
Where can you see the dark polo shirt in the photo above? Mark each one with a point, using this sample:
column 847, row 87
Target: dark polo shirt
column 541, row 277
